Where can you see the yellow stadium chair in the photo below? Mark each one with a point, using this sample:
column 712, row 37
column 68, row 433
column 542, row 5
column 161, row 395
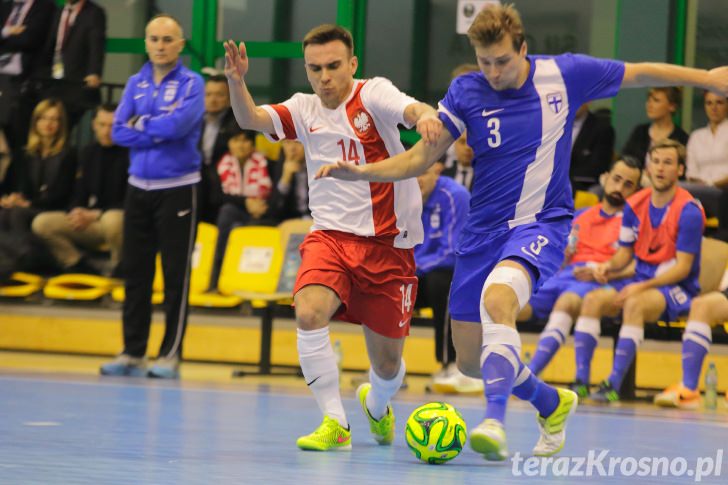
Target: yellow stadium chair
column 270, row 150
column 79, row 287
column 711, row 223
column 202, row 260
column 21, row 285
column 258, row 268
column 584, row 199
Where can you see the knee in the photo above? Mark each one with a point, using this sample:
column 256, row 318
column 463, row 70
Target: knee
column 633, row 307
column 700, row 309
column 42, row 225
column 308, row 317
column 592, row 305
column 569, row 303
column 501, row 304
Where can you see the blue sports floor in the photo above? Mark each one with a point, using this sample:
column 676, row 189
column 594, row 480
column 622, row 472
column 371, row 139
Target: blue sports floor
column 74, row 429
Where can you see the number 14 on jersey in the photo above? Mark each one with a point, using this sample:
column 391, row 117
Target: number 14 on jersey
column 353, row 153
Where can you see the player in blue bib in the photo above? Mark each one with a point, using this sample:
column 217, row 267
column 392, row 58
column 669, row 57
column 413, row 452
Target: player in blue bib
column 518, row 113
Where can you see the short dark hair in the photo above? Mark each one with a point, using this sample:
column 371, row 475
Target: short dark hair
column 494, row 22
column 108, row 107
column 630, row 162
column 216, row 78
column 323, row 34
column 249, row 135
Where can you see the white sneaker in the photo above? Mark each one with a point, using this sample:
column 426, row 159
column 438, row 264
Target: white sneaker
column 553, row 428
column 489, row 439
column 457, row 383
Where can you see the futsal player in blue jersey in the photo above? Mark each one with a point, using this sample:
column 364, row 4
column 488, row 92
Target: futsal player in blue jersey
column 518, row 113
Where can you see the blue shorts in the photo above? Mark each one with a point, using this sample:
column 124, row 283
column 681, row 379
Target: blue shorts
column 677, row 300
column 542, row 302
column 538, row 246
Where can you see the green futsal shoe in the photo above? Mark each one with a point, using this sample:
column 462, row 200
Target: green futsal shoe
column 329, row 436
column 553, row 428
column 383, row 429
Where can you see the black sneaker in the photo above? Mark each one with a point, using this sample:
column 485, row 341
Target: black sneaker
column 605, row 394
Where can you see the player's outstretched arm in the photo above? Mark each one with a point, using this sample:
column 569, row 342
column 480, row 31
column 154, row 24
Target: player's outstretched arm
column 655, row 74
column 426, row 121
column 410, row 163
column 247, row 114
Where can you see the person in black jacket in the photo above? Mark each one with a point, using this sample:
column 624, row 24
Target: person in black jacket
column 661, row 105
column 47, row 171
column 592, row 150
column 219, row 125
column 74, row 56
column 290, row 195
column 97, row 215
column 25, row 26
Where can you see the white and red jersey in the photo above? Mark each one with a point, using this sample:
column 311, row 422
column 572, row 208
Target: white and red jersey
column 362, row 129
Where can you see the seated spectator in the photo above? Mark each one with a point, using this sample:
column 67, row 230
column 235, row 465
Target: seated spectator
column 290, row 198
column 593, row 240
column 74, row 56
column 706, row 311
column 46, row 170
column 707, row 161
column 96, row 218
column 219, row 123
column 462, row 169
column 592, row 148
column 661, row 105
column 662, row 228
column 444, row 209
column 246, row 185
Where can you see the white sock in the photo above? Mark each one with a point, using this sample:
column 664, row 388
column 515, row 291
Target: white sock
column 382, row 391
column 318, row 363
column 558, row 326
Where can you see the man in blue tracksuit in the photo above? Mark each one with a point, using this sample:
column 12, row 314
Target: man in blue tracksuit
column 159, row 119
column 444, row 210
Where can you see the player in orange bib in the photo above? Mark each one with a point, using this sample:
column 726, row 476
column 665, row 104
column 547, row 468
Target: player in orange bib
column 357, row 263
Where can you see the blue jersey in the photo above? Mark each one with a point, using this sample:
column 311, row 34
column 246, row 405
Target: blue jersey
column 443, row 216
column 689, row 239
column 522, row 137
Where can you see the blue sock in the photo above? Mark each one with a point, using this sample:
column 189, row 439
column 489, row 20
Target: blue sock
column 547, row 347
column 543, row 397
column 498, row 374
column 623, row 357
column 693, row 355
column 584, row 345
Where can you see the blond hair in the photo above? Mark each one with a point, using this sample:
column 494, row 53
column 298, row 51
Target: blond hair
column 35, row 144
column 493, row 23
column 670, row 143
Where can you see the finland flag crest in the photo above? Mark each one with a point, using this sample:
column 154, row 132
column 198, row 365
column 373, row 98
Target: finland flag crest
column 555, row 102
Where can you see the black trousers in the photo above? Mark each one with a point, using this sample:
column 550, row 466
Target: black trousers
column 162, row 221
column 434, row 291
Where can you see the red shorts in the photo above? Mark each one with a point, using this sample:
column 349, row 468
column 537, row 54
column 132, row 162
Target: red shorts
column 376, row 283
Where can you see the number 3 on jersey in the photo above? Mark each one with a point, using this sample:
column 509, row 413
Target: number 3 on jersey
column 494, row 136
column 353, row 155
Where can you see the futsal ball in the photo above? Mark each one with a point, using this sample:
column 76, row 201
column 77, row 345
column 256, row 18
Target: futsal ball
column 435, row 432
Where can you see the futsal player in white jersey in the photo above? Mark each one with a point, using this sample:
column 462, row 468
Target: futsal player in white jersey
column 518, row 113
column 358, row 262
